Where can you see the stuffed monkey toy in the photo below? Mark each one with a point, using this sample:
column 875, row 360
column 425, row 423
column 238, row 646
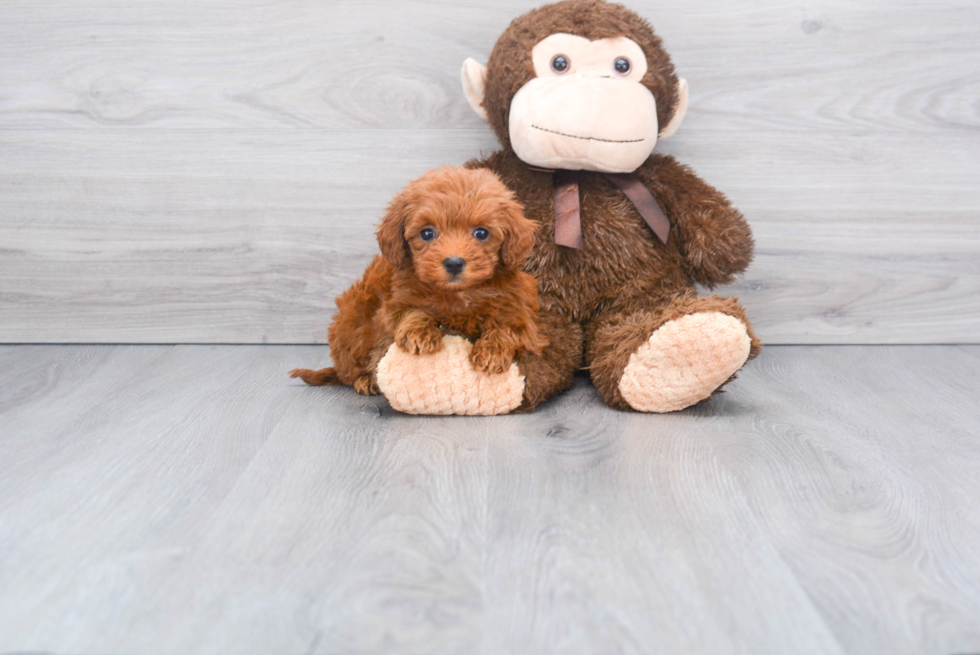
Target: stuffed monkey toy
column 578, row 92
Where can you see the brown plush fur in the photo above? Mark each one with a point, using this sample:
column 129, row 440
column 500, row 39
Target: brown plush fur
column 409, row 297
column 510, row 66
column 624, row 283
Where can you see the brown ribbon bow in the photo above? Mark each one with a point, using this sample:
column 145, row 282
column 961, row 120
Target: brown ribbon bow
column 568, row 216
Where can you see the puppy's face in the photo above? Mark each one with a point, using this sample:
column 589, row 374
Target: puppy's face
column 454, row 249
column 455, row 227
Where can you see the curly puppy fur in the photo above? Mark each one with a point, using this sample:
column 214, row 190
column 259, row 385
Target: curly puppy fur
column 414, row 292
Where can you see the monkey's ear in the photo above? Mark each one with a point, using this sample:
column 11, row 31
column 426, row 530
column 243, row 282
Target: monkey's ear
column 474, row 83
column 391, row 233
column 679, row 111
column 519, row 233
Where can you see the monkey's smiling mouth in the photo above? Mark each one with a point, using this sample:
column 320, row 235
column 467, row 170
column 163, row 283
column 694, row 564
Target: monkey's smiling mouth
column 586, row 138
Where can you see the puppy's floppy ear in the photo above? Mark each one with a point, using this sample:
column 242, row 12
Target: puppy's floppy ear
column 519, row 232
column 391, row 232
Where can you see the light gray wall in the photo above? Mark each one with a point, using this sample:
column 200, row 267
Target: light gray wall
column 191, row 171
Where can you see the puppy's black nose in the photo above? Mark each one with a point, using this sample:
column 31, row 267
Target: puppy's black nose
column 454, row 264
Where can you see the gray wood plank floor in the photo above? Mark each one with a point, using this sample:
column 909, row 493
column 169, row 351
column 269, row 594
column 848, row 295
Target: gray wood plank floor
column 191, row 499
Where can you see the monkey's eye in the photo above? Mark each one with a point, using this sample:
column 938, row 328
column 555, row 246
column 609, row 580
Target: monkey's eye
column 622, row 65
column 427, row 234
column 560, row 63
column 481, row 234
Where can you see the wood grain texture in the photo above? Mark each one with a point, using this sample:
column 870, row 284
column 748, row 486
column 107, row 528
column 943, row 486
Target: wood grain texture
column 191, row 499
column 239, row 236
column 211, row 172
column 827, row 65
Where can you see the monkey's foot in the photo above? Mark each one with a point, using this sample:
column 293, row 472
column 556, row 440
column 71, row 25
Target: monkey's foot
column 684, row 361
column 445, row 382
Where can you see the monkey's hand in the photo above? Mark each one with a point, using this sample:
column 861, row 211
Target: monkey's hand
column 716, row 243
column 712, row 236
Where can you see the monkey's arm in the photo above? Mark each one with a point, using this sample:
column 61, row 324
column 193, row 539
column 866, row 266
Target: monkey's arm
column 712, row 236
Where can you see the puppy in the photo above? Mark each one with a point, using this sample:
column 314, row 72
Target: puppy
column 452, row 244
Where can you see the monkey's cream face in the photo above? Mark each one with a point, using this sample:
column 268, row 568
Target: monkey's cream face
column 586, row 108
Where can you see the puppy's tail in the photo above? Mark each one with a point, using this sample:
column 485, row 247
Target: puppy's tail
column 316, row 378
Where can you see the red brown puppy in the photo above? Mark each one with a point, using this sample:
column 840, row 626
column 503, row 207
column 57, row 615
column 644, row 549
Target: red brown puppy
column 452, row 245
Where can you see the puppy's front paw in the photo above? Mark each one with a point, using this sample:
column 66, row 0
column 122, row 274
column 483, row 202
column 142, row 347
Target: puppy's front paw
column 420, row 340
column 491, row 356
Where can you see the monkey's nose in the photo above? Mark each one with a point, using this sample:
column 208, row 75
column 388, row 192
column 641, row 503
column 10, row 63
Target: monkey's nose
column 454, row 264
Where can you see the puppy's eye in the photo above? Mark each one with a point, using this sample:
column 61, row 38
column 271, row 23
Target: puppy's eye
column 427, row 234
column 481, row 233
column 560, row 63
column 622, row 65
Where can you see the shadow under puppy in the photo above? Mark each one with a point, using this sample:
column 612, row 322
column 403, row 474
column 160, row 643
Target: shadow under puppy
column 453, row 242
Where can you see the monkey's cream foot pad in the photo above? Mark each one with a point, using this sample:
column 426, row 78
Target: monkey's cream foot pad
column 445, row 382
column 684, row 361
